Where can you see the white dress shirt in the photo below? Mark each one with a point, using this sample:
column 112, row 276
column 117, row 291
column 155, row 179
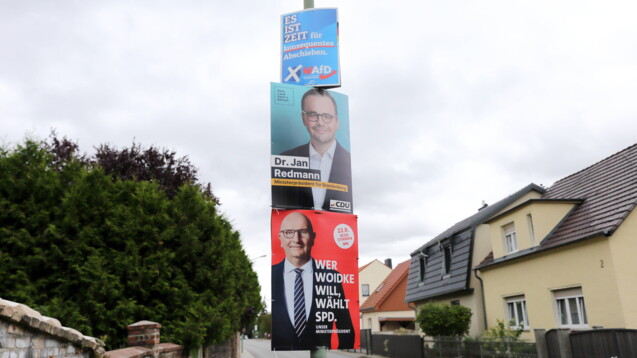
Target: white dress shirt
column 324, row 164
column 288, row 279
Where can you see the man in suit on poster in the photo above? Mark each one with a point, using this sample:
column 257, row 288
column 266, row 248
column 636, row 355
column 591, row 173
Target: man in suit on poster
column 301, row 319
column 320, row 118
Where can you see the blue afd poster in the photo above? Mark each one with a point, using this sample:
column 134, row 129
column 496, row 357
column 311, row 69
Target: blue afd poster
column 309, row 48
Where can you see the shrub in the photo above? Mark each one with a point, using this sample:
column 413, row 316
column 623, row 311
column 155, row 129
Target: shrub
column 439, row 319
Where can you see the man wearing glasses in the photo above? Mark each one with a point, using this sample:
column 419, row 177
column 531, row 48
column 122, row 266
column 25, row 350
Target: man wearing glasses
column 320, row 118
column 305, row 305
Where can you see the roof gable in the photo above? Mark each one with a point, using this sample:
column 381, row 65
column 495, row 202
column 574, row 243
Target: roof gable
column 481, row 216
column 369, row 264
column 387, row 287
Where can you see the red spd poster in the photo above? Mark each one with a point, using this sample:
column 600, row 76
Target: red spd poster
column 314, row 280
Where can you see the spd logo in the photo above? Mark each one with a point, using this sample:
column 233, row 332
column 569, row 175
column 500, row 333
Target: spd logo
column 339, row 205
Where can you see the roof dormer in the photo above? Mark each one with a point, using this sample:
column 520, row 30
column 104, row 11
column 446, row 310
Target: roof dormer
column 524, row 226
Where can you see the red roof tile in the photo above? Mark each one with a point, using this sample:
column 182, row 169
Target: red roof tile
column 384, row 290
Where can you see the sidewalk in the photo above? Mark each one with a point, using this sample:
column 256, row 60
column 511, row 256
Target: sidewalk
column 246, row 354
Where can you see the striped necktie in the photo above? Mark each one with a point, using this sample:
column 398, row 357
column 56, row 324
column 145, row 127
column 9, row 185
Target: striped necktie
column 299, row 304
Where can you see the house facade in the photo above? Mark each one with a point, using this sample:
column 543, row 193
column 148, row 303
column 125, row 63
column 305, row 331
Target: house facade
column 441, row 269
column 386, row 310
column 566, row 259
column 370, row 276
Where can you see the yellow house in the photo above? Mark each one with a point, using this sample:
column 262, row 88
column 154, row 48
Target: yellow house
column 565, row 260
column 370, row 276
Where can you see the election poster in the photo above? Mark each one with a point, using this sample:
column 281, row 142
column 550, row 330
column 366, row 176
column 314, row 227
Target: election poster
column 309, row 48
column 310, row 149
column 315, row 299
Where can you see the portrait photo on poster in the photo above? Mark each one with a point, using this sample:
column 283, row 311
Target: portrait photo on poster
column 310, row 154
column 315, row 299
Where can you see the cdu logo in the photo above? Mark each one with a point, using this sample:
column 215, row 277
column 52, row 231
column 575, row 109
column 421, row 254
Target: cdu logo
column 340, row 205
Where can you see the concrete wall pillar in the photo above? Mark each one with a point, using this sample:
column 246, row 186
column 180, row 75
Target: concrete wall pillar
column 563, row 337
column 540, row 343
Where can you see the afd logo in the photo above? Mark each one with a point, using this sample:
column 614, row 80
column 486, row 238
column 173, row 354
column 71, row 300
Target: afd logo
column 323, row 71
column 340, row 205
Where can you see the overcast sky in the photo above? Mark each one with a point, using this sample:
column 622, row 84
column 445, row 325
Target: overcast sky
column 451, row 102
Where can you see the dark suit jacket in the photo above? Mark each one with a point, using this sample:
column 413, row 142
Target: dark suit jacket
column 289, row 197
column 283, row 336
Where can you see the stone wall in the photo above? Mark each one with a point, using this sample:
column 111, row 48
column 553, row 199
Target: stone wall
column 229, row 349
column 25, row 333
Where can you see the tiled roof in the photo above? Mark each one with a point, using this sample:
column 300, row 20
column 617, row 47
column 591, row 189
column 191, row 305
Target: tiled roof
column 376, row 299
column 607, row 191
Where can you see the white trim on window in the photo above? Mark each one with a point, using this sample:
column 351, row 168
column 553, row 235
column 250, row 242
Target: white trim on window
column 365, row 289
column 510, row 238
column 516, row 311
column 570, row 308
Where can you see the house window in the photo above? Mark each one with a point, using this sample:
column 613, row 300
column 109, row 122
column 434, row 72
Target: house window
column 446, row 264
column 455, row 303
column 516, row 311
column 365, row 289
column 529, row 220
column 510, row 239
column 423, row 263
column 571, row 311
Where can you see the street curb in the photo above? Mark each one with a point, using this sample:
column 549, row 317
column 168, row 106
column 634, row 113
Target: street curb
column 246, row 354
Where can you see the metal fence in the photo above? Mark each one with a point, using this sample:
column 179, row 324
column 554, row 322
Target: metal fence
column 458, row 347
column 397, row 346
column 415, row 346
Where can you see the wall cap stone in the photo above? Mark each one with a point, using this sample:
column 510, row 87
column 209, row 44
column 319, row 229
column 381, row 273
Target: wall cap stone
column 144, row 325
column 21, row 314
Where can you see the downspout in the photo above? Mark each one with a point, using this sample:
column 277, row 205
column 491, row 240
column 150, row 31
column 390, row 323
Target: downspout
column 484, row 307
column 409, row 304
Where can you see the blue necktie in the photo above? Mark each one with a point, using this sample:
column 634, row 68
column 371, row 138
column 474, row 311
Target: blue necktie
column 299, row 304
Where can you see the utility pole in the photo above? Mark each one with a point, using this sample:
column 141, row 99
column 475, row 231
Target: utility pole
column 320, row 352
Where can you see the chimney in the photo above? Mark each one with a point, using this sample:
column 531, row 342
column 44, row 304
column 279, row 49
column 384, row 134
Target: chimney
column 388, row 263
column 143, row 333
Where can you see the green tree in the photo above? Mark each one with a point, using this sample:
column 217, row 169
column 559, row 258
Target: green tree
column 440, row 319
column 100, row 250
column 265, row 324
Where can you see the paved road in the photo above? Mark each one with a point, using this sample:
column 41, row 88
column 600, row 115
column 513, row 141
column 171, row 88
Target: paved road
column 260, row 348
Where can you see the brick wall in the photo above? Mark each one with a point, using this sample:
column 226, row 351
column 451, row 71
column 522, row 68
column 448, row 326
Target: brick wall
column 25, row 333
